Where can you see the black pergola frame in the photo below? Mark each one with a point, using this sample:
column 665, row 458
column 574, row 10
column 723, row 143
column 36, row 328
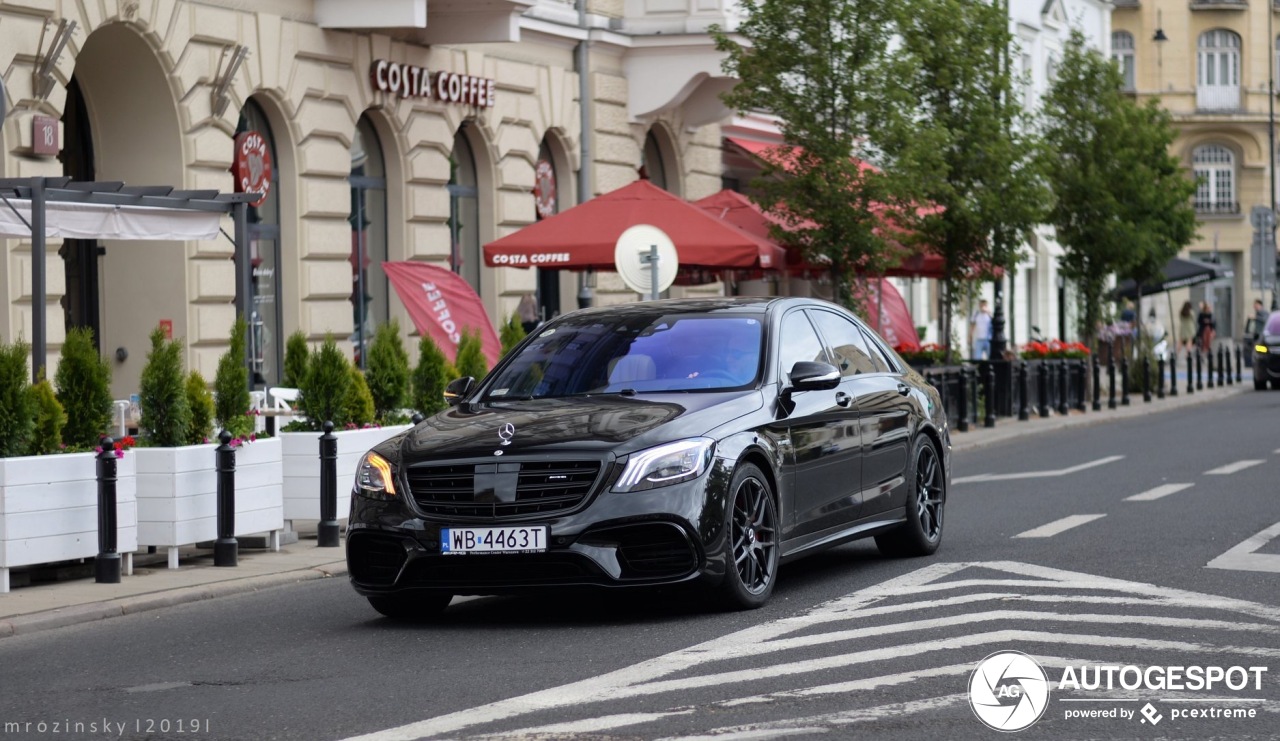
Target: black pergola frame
column 44, row 190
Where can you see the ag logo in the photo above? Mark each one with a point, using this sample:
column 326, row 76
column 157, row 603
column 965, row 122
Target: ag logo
column 1008, row 691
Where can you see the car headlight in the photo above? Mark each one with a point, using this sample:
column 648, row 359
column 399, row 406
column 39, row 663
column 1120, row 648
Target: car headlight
column 374, row 478
column 666, row 465
column 1260, row 348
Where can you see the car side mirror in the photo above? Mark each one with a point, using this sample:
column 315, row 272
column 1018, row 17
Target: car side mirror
column 808, row 375
column 458, row 389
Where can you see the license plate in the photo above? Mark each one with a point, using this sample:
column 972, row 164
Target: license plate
column 459, row 540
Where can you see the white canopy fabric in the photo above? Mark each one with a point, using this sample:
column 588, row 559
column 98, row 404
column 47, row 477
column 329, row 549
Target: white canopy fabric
column 69, row 220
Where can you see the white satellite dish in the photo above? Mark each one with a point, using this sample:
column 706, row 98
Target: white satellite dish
column 635, row 255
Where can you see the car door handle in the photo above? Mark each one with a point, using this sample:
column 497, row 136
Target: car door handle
column 903, row 389
column 843, row 399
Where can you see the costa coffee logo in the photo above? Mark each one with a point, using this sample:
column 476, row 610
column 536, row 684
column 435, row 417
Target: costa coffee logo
column 252, row 166
column 408, row 81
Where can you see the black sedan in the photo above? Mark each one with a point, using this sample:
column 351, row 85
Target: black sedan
column 1266, row 354
column 699, row 442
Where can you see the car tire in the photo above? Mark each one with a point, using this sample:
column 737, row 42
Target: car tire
column 1259, row 384
column 413, row 606
column 921, row 534
column 752, row 541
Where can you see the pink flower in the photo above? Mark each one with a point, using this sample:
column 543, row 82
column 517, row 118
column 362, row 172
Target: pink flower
column 253, row 437
column 98, row 449
column 119, row 453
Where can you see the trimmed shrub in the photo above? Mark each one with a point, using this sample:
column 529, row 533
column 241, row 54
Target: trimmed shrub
column 430, row 378
column 50, row 419
column 360, row 406
column 166, row 418
column 17, row 405
column 200, row 402
column 387, row 371
column 470, row 360
column 83, row 382
column 296, row 354
column 511, row 334
column 325, row 387
column 231, row 400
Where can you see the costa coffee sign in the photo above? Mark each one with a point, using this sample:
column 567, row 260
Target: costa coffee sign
column 252, row 165
column 408, row 81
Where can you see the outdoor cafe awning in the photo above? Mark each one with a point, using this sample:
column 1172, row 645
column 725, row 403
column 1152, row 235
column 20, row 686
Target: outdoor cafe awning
column 1178, row 272
column 98, row 221
column 584, row 237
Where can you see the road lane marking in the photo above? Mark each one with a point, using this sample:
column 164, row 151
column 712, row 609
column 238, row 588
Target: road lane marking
column 1244, row 557
column 1058, row 526
column 1163, row 490
column 1038, row 474
column 1232, row 468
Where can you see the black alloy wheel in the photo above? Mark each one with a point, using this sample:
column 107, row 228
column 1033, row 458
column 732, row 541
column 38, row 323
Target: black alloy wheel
column 411, row 606
column 921, row 534
column 752, row 540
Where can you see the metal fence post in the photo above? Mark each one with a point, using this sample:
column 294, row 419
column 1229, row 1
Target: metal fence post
column 1023, row 413
column 327, row 531
column 989, row 388
column 1124, row 382
column 226, row 549
column 106, row 567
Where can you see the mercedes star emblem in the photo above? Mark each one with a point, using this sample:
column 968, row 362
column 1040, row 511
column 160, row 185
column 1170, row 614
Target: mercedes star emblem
column 506, row 432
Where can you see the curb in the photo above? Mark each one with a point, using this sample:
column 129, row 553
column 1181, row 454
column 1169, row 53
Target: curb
column 93, row 611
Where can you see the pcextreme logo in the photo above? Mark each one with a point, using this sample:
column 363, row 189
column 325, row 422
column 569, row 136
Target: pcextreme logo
column 1008, row 691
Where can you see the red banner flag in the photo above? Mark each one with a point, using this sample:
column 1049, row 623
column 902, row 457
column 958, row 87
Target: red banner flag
column 896, row 325
column 441, row 305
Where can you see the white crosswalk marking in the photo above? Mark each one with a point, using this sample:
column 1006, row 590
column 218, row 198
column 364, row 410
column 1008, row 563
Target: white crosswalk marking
column 1058, row 526
column 1231, row 468
column 1245, row 557
column 951, row 614
column 1159, row 492
column 1038, row 474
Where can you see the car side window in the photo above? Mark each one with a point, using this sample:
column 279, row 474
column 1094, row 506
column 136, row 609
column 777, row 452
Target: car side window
column 846, row 344
column 798, row 341
column 880, row 355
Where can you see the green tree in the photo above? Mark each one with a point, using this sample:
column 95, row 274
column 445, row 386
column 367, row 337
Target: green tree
column 166, row 417
column 430, row 377
column 512, row 333
column 971, row 155
column 50, row 419
column 470, row 359
column 360, row 409
column 231, row 385
column 1122, row 201
column 325, row 387
column 387, row 371
column 17, row 405
column 826, row 69
column 203, row 412
column 295, row 360
column 83, row 381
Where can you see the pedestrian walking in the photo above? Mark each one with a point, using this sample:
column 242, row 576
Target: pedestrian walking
column 1206, row 326
column 528, row 312
column 1187, row 326
column 1258, row 320
column 980, row 331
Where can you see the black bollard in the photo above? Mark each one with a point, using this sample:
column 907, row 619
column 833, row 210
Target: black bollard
column 1023, row 413
column 1124, row 382
column 226, row 549
column 1239, row 357
column 327, row 531
column 1199, row 369
column 1224, row 378
column 1191, row 376
column 1146, row 379
column 106, row 568
column 1173, row 374
column 1208, row 362
column 417, row 418
column 1160, row 377
column 1097, row 384
column 1042, row 388
column 1111, row 381
column 1064, row 370
column 989, row 388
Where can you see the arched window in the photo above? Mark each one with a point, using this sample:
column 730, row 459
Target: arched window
column 265, row 328
column 369, row 290
column 653, row 163
column 464, row 211
column 1122, row 53
column 546, row 191
column 1215, row 170
column 1218, row 71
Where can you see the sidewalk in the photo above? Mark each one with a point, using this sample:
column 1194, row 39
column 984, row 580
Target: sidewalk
column 70, row 601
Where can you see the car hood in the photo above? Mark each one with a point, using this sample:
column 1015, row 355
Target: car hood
column 597, row 423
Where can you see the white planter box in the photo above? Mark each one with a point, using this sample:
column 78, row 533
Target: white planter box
column 302, row 467
column 49, row 510
column 178, row 494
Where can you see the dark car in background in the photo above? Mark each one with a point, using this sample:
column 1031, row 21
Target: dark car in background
column 1266, row 354
column 698, row 442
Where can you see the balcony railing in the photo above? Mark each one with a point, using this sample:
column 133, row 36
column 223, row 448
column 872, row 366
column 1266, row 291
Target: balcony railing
column 1219, row 4
column 1217, row 208
column 1220, row 98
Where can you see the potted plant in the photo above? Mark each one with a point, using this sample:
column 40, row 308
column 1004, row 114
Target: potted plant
column 331, row 391
column 430, row 377
column 387, row 375
column 177, row 478
column 49, row 489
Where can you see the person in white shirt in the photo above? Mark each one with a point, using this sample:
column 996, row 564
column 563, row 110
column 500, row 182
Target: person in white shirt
column 980, row 331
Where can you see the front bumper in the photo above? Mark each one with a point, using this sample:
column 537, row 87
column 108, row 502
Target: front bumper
column 1266, row 365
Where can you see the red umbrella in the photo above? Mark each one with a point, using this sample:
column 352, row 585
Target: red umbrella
column 584, row 237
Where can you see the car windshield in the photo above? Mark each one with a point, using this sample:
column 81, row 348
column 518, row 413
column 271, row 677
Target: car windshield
column 1273, row 323
column 630, row 352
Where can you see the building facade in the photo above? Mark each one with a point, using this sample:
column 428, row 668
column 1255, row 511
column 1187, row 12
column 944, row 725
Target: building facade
column 398, row 130
column 1210, row 63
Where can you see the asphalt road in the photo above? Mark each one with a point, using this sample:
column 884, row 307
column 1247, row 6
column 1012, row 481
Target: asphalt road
column 1044, row 553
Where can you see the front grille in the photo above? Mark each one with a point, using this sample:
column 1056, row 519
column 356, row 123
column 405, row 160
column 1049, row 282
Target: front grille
column 510, row 489
column 374, row 560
